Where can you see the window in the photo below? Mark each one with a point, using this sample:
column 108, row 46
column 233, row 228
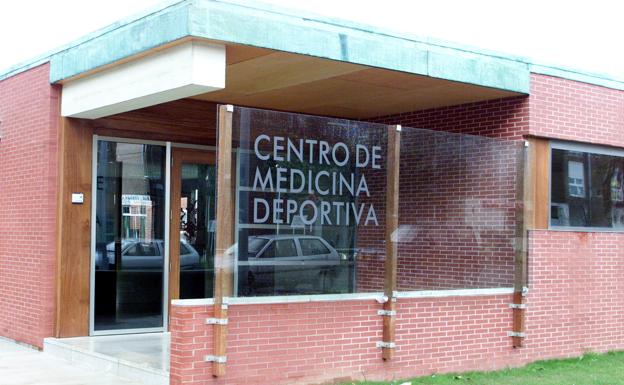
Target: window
column 281, row 249
column 576, row 179
column 313, row 247
column 255, row 244
column 142, row 250
column 587, row 187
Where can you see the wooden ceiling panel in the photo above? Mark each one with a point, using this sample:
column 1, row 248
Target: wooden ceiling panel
column 279, row 70
column 391, row 79
column 309, row 96
column 284, row 81
column 240, row 53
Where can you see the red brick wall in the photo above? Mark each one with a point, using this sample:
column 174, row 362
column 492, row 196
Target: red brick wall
column 305, row 343
column 29, row 110
column 573, row 307
column 571, row 110
column 575, row 286
column 506, row 118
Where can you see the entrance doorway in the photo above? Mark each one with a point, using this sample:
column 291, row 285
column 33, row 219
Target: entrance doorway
column 153, row 232
column 192, row 231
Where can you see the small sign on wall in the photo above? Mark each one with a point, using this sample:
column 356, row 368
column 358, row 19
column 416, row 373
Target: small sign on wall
column 77, row 198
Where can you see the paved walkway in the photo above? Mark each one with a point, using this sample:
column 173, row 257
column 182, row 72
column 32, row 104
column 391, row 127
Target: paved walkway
column 20, row 365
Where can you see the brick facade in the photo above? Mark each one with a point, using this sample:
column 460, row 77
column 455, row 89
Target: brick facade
column 29, row 111
column 572, row 308
column 506, row 118
column 304, row 343
column 571, row 110
column 573, row 277
column 575, row 281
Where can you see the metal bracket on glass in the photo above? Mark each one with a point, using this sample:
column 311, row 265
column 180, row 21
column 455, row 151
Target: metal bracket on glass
column 229, row 108
column 217, row 359
column 216, row 321
column 516, row 334
column 386, row 345
column 398, row 127
column 387, row 313
column 517, row 306
column 225, row 303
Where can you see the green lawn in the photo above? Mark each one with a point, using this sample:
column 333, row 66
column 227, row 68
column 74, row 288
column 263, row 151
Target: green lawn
column 590, row 369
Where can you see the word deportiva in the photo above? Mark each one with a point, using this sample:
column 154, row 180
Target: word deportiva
column 325, row 186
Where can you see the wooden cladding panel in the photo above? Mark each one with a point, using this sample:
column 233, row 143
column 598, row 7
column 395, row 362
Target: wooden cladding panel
column 535, row 216
column 183, row 121
column 74, row 229
column 392, row 224
column 297, row 83
column 537, row 199
column 225, row 234
column 180, row 156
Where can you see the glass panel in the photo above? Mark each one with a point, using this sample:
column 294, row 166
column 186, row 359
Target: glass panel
column 322, row 183
column 587, row 190
column 457, row 210
column 129, row 236
column 197, row 231
column 310, row 204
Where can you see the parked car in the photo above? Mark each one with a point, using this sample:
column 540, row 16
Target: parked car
column 289, row 264
column 147, row 255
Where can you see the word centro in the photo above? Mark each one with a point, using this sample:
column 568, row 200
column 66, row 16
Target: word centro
column 319, row 152
column 309, row 212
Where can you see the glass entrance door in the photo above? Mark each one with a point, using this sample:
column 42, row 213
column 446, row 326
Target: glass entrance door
column 192, row 231
column 139, row 263
column 129, row 256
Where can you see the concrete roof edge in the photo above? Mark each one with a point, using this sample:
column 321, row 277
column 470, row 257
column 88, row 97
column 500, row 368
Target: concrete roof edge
column 598, row 79
column 373, row 29
column 255, row 24
column 47, row 56
column 414, row 54
column 24, row 66
column 252, row 23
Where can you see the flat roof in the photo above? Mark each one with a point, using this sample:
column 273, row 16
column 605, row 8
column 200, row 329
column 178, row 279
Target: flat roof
column 267, row 26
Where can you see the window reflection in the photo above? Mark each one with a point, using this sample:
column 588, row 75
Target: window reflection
column 587, row 189
column 129, row 242
column 197, row 230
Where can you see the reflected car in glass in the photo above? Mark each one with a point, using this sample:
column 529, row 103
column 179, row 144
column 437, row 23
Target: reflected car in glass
column 285, row 264
column 144, row 254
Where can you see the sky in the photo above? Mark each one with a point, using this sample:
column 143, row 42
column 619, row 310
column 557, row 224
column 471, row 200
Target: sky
column 583, row 35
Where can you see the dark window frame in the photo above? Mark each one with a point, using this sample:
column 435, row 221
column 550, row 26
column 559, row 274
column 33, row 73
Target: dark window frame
column 589, row 151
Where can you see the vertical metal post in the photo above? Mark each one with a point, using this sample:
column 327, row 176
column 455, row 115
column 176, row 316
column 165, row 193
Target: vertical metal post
column 520, row 271
column 392, row 224
column 225, row 237
column 166, row 266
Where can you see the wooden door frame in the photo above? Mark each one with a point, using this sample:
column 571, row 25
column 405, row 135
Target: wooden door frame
column 179, row 156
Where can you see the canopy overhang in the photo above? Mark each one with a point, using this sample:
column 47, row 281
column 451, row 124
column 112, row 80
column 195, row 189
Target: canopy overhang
column 280, row 60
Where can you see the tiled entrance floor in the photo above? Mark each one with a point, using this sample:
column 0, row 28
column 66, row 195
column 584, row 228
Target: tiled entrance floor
column 21, row 365
column 142, row 357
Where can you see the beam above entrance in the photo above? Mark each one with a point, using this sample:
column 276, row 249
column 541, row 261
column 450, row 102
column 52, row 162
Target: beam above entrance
column 178, row 72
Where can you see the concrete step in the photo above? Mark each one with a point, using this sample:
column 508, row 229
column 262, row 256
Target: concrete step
column 139, row 358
